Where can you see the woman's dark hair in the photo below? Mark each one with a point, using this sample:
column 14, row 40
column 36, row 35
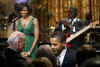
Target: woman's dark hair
column 22, row 5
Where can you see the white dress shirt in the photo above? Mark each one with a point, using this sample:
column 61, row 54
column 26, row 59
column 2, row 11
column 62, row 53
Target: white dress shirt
column 61, row 56
column 74, row 20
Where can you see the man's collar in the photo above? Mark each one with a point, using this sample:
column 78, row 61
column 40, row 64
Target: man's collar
column 61, row 56
column 12, row 48
column 62, row 52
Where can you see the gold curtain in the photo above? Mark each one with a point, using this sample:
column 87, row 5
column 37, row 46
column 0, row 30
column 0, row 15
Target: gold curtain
column 95, row 8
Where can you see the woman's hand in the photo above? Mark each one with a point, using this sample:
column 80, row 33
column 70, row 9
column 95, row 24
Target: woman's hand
column 25, row 54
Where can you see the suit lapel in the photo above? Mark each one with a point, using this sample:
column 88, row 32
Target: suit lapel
column 69, row 58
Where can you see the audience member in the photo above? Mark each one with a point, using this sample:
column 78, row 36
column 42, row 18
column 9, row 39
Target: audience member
column 46, row 51
column 16, row 41
column 42, row 62
column 93, row 62
column 3, row 62
column 10, row 56
column 85, row 52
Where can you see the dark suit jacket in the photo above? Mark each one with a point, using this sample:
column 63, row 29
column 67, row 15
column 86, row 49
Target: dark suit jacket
column 70, row 58
column 14, row 59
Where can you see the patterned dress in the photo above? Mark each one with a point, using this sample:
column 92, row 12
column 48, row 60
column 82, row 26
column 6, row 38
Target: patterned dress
column 29, row 32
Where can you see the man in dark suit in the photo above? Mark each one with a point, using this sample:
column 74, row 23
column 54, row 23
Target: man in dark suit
column 71, row 25
column 65, row 56
column 71, row 22
column 16, row 41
